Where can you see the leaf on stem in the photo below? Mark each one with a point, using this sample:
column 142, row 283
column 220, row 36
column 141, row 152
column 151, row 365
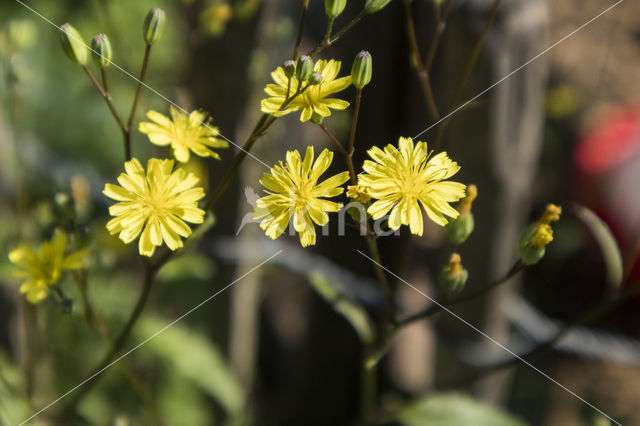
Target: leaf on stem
column 343, row 305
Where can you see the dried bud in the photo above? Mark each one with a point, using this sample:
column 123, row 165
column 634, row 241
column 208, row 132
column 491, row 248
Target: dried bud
column 101, row 50
column 73, row 44
column 453, row 277
column 304, row 69
column 316, row 78
column 372, row 6
column 289, row 68
column 334, row 7
column 153, row 24
column 361, row 69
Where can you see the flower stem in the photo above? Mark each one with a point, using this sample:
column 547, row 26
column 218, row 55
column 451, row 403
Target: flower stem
column 107, row 98
column 303, row 14
column 354, row 122
column 442, row 13
column 327, row 34
column 325, row 43
column 134, row 104
column 418, row 65
column 433, row 309
column 118, row 343
column 103, row 73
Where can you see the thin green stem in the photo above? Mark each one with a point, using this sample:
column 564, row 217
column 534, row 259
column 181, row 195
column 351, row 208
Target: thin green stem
column 442, row 14
column 354, row 122
column 417, row 64
column 134, row 104
column 107, row 99
column 303, row 14
column 341, row 148
column 327, row 34
column 433, row 309
column 261, row 126
column 103, row 73
column 325, row 43
column 118, row 343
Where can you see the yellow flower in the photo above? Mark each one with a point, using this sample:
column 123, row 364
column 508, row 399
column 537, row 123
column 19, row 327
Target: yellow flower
column 43, row 268
column 293, row 191
column 157, row 204
column 313, row 99
column 405, row 179
column 185, row 133
column 358, row 193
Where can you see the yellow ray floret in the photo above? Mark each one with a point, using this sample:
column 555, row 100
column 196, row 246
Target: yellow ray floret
column 43, row 268
column 156, row 203
column 294, row 191
column 184, row 132
column 403, row 179
column 313, row 99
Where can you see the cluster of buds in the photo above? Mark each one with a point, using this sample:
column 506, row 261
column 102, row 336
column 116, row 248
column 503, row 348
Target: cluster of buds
column 453, row 276
column 535, row 237
column 78, row 51
column 461, row 227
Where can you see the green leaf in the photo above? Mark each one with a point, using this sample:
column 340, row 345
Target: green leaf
column 608, row 245
column 195, row 358
column 454, row 409
column 349, row 309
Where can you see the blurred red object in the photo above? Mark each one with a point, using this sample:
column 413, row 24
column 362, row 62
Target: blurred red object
column 607, row 170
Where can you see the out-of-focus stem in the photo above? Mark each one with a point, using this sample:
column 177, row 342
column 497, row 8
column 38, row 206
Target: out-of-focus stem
column 303, row 14
column 325, row 43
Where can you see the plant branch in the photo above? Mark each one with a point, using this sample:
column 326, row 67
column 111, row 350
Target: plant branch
column 136, row 98
column 417, row 64
column 434, row 308
column 303, row 14
column 107, row 99
column 442, row 14
column 325, row 43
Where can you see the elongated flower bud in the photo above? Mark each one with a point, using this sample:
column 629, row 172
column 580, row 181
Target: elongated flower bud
column 153, row 25
column 304, row 69
column 460, row 228
column 372, row 6
column 453, row 276
column 73, row 44
column 333, row 8
column 289, row 68
column 361, row 69
column 101, row 50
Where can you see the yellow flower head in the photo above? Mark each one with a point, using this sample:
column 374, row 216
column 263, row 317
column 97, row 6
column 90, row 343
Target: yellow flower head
column 404, row 179
column 156, row 203
column 185, row 133
column 313, row 99
column 43, row 268
column 293, row 191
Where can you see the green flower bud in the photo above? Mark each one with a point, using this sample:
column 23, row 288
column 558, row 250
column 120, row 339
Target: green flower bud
column 316, row 78
column 453, row 277
column 73, row 44
column 304, row 69
column 372, row 6
column 316, row 118
column 361, row 69
column 289, row 68
column 334, row 7
column 153, row 24
column 101, row 50
column 460, row 228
